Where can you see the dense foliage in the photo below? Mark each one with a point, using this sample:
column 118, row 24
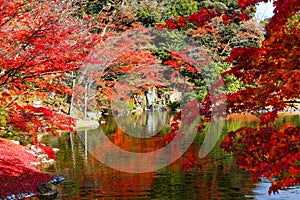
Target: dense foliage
column 270, row 75
column 43, row 44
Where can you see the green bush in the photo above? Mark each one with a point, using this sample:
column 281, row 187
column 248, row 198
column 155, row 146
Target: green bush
column 151, row 12
column 168, row 41
column 174, row 105
column 181, row 8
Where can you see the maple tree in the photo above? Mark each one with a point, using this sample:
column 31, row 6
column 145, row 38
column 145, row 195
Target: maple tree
column 270, row 74
column 41, row 43
column 122, row 65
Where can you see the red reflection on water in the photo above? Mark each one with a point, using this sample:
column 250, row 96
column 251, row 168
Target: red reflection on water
column 135, row 144
column 218, row 178
column 114, row 183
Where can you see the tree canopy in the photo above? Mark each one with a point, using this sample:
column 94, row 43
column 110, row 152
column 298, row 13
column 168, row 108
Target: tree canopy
column 41, row 44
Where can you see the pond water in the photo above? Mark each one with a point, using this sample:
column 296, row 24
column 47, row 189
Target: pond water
column 88, row 178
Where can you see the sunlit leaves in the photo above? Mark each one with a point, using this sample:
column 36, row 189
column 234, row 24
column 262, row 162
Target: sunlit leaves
column 40, row 43
column 267, row 152
column 269, row 73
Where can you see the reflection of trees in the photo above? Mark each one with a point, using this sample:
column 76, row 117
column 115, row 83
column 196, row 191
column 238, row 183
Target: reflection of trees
column 155, row 120
column 92, row 179
column 143, row 124
column 219, row 177
column 151, row 122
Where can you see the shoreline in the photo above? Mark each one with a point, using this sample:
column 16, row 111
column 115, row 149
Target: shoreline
column 247, row 116
column 282, row 114
column 86, row 124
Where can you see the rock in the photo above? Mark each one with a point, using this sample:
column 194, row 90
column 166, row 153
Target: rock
column 45, row 187
column 56, row 180
column 42, row 157
column 80, row 124
column 47, row 191
column 176, row 96
column 20, row 196
column 30, row 195
column 94, row 115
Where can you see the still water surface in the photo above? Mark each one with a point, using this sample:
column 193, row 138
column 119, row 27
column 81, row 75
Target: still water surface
column 87, row 178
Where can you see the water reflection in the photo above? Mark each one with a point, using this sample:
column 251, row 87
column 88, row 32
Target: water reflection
column 143, row 124
column 93, row 180
column 87, row 178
